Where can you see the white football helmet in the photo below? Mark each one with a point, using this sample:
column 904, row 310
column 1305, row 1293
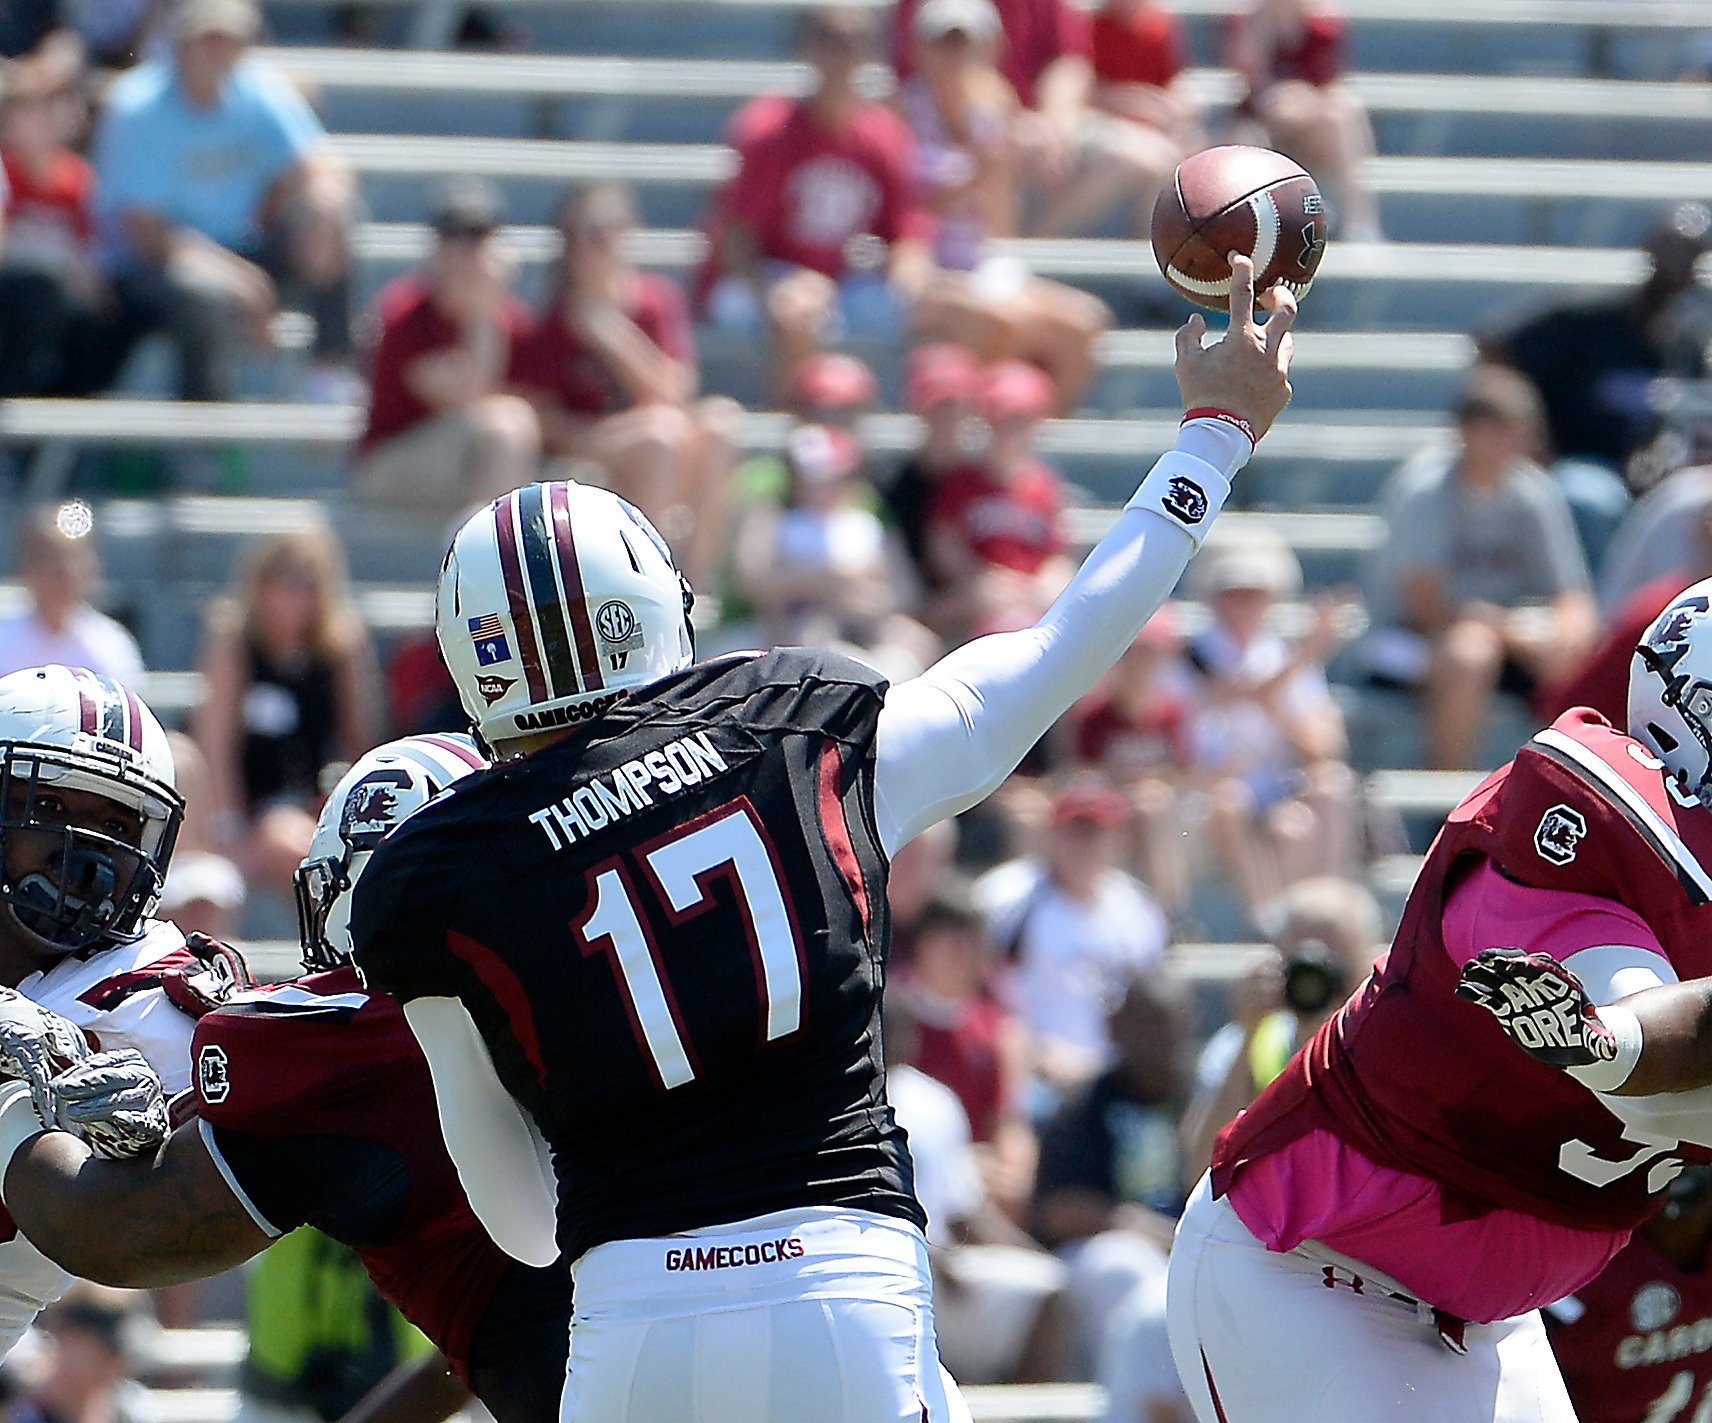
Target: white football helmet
column 1670, row 689
column 372, row 799
column 67, row 883
column 553, row 601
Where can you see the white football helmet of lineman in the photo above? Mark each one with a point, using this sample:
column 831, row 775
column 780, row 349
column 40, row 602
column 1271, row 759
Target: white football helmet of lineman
column 66, row 884
column 1670, row 689
column 372, row 799
column 554, row 600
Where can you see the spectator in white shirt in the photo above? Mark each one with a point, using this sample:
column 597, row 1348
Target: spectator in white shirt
column 60, row 569
column 1266, row 730
column 1077, row 930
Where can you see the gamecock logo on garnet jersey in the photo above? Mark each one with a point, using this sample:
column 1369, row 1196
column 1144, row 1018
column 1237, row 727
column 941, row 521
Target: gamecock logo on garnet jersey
column 212, row 1080
column 1561, row 830
column 1186, row 499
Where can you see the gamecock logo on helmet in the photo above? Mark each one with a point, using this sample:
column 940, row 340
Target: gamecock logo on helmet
column 1560, row 832
column 1186, row 499
column 371, row 809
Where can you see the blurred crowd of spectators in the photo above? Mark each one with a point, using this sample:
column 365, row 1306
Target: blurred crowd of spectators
column 1041, row 1031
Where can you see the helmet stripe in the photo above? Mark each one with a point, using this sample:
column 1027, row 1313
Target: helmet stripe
column 86, row 719
column 466, row 754
column 134, row 717
column 548, row 603
column 566, row 545
column 517, row 598
column 112, row 710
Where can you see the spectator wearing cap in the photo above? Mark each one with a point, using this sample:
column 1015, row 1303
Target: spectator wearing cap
column 941, row 385
column 61, row 568
column 57, row 331
column 1290, row 53
column 611, row 371
column 1266, row 732
column 221, row 197
column 822, row 234
column 443, row 430
column 1480, row 585
column 823, row 568
column 963, row 114
column 1134, row 729
column 85, row 1379
column 1073, row 928
column 995, row 545
column 831, row 388
column 1080, row 163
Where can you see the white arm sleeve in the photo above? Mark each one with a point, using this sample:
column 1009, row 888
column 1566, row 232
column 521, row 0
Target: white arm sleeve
column 947, row 738
column 494, row 1145
column 1613, row 971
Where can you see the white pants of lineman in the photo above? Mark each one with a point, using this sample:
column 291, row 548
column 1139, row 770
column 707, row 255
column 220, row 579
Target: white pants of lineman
column 1260, row 1337
column 806, row 1316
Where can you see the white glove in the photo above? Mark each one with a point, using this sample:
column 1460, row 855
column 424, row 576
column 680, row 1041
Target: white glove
column 115, row 1102
column 35, row 1047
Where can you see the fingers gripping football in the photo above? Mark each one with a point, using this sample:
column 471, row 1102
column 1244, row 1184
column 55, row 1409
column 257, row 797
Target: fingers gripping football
column 1541, row 1005
column 116, row 1102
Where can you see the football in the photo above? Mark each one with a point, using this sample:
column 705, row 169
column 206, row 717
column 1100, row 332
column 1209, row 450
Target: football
column 1238, row 199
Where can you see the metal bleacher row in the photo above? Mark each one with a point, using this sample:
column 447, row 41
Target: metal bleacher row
column 1525, row 145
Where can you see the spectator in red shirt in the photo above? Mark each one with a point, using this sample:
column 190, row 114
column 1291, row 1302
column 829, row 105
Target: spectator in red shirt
column 941, row 386
column 443, row 433
column 1135, row 729
column 968, row 1040
column 994, row 541
column 1290, row 52
column 55, row 335
column 963, row 114
column 1138, row 74
column 611, row 372
column 822, row 228
column 1083, row 164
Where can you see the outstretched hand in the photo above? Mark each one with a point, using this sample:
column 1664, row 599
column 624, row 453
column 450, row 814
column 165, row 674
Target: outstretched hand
column 1247, row 371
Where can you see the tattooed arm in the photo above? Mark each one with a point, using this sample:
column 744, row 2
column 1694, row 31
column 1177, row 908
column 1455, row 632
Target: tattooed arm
column 138, row 1224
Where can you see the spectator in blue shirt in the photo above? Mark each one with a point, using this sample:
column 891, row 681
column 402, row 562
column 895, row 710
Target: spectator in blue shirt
column 219, row 198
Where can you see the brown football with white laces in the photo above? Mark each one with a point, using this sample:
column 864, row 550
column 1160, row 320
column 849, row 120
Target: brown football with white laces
column 1238, row 199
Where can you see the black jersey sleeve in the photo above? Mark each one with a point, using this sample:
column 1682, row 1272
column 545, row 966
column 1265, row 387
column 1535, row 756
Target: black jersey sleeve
column 350, row 1188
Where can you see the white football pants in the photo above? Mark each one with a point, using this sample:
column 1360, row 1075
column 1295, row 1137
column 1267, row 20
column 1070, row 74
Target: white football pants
column 1261, row 1337
column 807, row 1316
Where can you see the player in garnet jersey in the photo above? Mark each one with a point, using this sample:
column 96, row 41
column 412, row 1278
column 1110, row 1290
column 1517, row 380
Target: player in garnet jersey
column 644, row 954
column 1417, row 1171
column 315, row 1106
column 1635, row 1345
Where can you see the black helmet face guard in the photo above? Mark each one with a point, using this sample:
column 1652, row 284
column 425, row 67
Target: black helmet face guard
column 317, row 885
column 71, row 886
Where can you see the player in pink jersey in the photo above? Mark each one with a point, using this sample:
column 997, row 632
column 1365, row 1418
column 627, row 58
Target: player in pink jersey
column 1379, row 1229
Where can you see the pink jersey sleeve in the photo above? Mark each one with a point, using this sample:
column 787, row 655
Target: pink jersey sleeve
column 1489, row 911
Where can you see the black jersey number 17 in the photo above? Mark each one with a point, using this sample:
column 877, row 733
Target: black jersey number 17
column 731, row 842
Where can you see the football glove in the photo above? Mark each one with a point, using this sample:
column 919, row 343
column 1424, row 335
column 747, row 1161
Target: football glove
column 1541, row 1005
column 35, row 1047
column 115, row 1101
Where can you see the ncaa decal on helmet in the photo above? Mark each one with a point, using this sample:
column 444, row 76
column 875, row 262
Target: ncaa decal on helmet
column 553, row 601
column 68, row 885
column 1670, row 689
column 373, row 798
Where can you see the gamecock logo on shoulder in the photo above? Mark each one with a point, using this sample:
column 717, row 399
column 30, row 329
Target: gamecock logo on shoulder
column 212, row 1080
column 1560, row 832
column 1186, row 499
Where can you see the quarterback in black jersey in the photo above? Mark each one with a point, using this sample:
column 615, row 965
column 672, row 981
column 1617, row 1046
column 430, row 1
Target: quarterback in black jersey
column 644, row 952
